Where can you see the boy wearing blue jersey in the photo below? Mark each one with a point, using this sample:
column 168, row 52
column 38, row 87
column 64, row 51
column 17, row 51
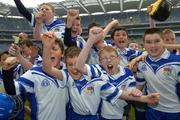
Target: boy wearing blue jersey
column 118, row 76
column 120, row 39
column 160, row 72
column 43, row 20
column 48, row 95
column 85, row 92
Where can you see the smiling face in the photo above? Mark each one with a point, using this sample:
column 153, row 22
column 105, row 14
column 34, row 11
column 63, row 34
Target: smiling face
column 120, row 38
column 70, row 64
column 109, row 59
column 169, row 38
column 153, row 44
column 71, row 55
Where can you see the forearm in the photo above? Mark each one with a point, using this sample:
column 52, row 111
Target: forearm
column 8, row 81
column 108, row 27
column 127, row 96
column 37, row 32
column 47, row 67
column 172, row 46
column 24, row 62
column 81, row 61
column 21, row 8
column 67, row 38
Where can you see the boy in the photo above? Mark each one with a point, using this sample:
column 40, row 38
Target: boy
column 117, row 75
column 43, row 21
column 48, row 96
column 120, row 38
column 169, row 39
column 85, row 92
column 161, row 72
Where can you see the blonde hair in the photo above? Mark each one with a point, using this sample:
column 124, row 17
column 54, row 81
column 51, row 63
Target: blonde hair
column 167, row 31
column 107, row 49
column 48, row 4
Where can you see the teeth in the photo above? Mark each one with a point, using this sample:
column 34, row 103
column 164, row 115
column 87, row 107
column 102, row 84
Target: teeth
column 110, row 66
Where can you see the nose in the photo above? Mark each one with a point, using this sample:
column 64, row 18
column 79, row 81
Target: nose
column 108, row 59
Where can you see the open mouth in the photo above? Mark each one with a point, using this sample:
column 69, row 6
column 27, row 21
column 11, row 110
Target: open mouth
column 121, row 41
column 52, row 58
column 110, row 67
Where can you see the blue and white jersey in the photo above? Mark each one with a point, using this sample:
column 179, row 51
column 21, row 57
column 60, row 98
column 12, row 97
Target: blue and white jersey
column 19, row 69
column 49, row 95
column 126, row 55
column 58, row 26
column 161, row 76
column 85, row 95
column 123, row 80
column 1, row 82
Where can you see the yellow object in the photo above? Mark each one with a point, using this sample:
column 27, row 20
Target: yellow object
column 155, row 7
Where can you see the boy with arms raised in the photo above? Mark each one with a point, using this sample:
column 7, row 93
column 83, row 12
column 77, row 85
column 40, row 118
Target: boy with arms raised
column 160, row 72
column 86, row 91
column 48, row 96
column 118, row 76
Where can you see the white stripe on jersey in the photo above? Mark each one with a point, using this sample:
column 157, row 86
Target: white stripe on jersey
column 162, row 76
column 85, row 95
column 50, row 94
column 124, row 80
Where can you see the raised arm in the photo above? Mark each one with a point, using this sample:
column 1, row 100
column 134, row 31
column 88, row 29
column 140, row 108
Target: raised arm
column 7, row 76
column 48, row 39
column 72, row 15
column 23, row 10
column 95, row 34
column 110, row 25
column 15, row 51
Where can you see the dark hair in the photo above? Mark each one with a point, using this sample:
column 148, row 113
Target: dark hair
column 152, row 31
column 28, row 43
column 5, row 52
column 92, row 25
column 118, row 29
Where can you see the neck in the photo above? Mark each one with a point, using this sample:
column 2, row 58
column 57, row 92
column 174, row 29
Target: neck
column 48, row 21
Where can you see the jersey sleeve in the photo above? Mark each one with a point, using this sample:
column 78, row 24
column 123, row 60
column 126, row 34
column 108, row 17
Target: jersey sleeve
column 109, row 92
column 25, row 83
column 21, row 8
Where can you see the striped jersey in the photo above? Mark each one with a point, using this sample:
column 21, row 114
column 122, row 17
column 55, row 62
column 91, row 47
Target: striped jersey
column 126, row 55
column 123, row 80
column 57, row 25
column 48, row 95
column 86, row 93
column 161, row 76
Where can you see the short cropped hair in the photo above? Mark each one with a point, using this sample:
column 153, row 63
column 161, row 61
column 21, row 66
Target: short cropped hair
column 71, row 52
column 118, row 29
column 152, row 31
column 48, row 4
column 107, row 49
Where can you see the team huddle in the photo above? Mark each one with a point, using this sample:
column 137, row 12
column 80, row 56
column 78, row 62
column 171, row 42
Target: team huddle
column 96, row 79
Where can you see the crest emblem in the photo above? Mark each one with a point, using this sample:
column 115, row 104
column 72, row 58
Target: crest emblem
column 45, row 83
